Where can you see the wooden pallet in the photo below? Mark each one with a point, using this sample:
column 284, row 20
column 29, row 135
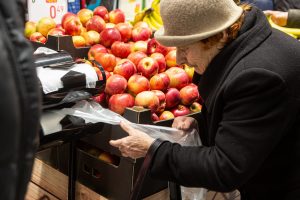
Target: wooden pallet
column 50, row 184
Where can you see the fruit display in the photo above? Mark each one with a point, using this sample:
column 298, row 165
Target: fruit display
column 139, row 70
column 145, row 74
column 87, row 27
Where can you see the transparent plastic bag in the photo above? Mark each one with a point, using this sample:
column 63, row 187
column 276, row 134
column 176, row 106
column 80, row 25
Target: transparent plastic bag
column 92, row 112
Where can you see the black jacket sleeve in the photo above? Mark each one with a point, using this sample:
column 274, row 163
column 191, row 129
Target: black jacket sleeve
column 253, row 122
column 293, row 18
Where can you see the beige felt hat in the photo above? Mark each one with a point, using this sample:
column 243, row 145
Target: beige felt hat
column 189, row 21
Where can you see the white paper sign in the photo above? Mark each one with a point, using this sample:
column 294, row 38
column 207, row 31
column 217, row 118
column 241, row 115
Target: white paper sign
column 130, row 7
column 47, row 8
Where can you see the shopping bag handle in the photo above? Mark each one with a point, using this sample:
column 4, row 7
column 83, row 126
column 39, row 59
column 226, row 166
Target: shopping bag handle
column 138, row 185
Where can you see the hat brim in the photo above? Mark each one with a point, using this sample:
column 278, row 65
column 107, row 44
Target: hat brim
column 182, row 40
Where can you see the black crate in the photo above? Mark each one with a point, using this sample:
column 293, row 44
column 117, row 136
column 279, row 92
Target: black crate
column 63, row 42
column 116, row 182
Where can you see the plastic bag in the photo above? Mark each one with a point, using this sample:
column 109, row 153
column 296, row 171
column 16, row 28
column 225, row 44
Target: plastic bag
column 92, row 112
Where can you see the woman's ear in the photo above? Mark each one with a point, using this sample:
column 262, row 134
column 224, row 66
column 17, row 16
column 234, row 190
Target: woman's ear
column 222, row 42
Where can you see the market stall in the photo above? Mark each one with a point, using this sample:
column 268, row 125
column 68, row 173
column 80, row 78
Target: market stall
column 100, row 56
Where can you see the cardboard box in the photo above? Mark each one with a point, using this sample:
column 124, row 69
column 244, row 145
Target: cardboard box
column 63, row 42
column 116, row 182
column 111, row 181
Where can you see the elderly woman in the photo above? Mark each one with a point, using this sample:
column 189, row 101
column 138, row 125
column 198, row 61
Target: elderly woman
column 250, row 83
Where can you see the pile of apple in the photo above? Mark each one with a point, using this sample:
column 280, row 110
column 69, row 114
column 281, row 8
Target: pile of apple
column 144, row 73
column 139, row 70
column 87, row 27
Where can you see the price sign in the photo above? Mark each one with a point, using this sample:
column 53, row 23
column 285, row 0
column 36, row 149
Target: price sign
column 47, row 8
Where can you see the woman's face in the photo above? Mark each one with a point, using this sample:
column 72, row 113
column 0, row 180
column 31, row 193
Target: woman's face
column 198, row 55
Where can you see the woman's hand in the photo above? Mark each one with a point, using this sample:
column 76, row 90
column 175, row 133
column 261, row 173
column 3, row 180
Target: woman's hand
column 278, row 17
column 135, row 145
column 185, row 123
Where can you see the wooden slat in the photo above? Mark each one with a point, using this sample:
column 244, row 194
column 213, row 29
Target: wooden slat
column 56, row 183
column 34, row 192
column 162, row 195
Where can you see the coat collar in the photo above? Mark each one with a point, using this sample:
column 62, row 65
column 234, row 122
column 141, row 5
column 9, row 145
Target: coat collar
column 253, row 32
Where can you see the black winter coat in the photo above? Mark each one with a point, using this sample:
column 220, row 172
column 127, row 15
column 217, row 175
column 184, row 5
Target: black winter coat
column 250, row 123
column 285, row 5
column 19, row 104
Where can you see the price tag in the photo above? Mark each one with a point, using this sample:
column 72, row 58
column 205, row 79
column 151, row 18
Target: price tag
column 47, row 8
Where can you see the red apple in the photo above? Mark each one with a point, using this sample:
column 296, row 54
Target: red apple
column 107, row 60
column 178, row 77
column 138, row 83
column 110, row 25
column 125, row 68
column 190, row 71
column 120, row 49
column 59, row 26
column 82, row 60
column 102, row 12
column 172, row 98
column 189, row 94
column 38, row 37
column 154, row 117
column 195, row 107
column 180, row 110
column 67, row 17
column 56, row 31
column 99, row 73
column 96, row 23
column 115, row 84
column 162, row 100
column 116, row 16
column 148, row 67
column 78, row 41
column 171, row 59
column 160, row 81
column 161, row 61
column 136, row 57
column 83, row 30
column 101, row 99
column 143, row 25
column 141, row 33
column 30, row 27
column 139, row 46
column 125, row 30
column 118, row 59
column 97, row 48
column 171, row 49
column 156, row 47
column 91, row 37
column 166, row 115
column 73, row 26
column 44, row 25
column 108, row 36
column 119, row 102
column 84, row 15
column 147, row 99
column 108, row 158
